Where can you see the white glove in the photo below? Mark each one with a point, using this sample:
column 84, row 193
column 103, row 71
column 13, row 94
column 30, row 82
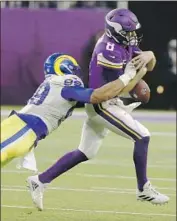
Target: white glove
column 129, row 73
column 129, row 108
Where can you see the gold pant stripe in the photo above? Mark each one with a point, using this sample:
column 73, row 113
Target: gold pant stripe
column 12, row 123
column 119, row 122
column 19, row 139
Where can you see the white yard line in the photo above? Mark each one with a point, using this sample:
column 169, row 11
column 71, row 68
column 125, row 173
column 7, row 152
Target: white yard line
column 92, row 188
column 119, row 164
column 131, row 190
column 120, row 177
column 92, row 211
column 15, row 171
column 166, row 134
column 94, row 175
column 80, row 190
column 113, row 163
column 120, row 191
column 13, row 190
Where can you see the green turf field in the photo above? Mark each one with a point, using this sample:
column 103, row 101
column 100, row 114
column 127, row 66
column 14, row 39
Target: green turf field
column 100, row 190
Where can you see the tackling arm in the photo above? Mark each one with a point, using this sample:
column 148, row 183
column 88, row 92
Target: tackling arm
column 103, row 93
column 115, row 88
column 122, row 85
column 107, row 91
column 89, row 95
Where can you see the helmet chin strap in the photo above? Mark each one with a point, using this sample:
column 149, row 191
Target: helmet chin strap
column 115, row 39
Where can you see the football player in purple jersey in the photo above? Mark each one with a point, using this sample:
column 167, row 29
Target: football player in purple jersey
column 112, row 59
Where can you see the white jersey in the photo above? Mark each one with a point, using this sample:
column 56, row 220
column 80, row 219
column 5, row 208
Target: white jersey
column 47, row 102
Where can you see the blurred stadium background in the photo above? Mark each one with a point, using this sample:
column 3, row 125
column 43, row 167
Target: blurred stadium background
column 102, row 189
column 31, row 30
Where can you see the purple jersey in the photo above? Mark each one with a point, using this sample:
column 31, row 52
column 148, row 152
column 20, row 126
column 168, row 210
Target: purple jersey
column 108, row 61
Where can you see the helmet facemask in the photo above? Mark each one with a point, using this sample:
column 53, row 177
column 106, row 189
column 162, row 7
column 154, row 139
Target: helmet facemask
column 128, row 38
column 132, row 38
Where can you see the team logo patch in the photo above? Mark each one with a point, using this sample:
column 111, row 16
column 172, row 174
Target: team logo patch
column 34, row 185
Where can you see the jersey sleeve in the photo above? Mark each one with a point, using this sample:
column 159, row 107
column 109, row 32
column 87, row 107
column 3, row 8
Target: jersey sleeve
column 110, row 60
column 77, row 94
column 67, row 80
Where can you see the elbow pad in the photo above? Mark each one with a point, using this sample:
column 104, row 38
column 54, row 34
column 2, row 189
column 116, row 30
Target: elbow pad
column 77, row 94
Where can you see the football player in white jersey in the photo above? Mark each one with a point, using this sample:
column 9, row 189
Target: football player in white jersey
column 52, row 103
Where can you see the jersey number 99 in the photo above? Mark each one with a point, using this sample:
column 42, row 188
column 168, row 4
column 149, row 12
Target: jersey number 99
column 40, row 95
column 72, row 82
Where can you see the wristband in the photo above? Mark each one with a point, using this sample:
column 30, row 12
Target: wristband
column 125, row 79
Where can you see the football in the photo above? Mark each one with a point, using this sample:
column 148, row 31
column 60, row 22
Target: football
column 141, row 92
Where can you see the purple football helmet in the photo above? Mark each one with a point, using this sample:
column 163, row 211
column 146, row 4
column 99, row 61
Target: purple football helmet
column 122, row 26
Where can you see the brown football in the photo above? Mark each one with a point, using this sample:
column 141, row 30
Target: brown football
column 141, row 92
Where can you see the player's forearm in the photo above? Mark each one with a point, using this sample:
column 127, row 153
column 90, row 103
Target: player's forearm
column 103, row 93
column 141, row 73
column 107, row 91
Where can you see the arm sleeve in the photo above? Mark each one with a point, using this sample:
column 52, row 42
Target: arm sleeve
column 111, row 63
column 77, row 94
column 110, row 60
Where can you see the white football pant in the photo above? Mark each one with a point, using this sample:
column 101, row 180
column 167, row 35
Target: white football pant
column 113, row 116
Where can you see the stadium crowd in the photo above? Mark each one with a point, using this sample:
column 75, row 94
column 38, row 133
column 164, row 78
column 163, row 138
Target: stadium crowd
column 59, row 4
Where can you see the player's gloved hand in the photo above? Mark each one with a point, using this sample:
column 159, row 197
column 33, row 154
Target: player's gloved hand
column 128, row 108
column 131, row 107
column 129, row 73
column 143, row 58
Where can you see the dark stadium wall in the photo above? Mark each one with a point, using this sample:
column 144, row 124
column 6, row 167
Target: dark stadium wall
column 159, row 22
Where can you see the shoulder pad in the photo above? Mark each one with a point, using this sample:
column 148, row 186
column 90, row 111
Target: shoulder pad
column 110, row 59
column 109, row 55
column 67, row 80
